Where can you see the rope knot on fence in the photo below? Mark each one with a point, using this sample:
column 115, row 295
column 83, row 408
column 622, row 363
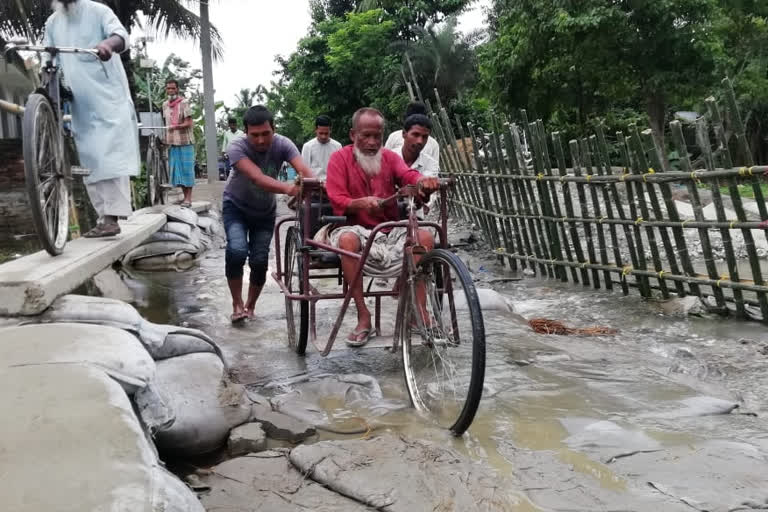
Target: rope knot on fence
column 639, row 221
column 650, row 171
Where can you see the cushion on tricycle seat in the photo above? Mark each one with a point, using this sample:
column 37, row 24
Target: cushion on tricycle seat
column 317, row 210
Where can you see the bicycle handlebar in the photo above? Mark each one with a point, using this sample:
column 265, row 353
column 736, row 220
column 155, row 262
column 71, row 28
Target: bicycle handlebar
column 53, row 50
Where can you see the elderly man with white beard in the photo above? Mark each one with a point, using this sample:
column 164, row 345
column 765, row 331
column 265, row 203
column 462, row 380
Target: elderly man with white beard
column 103, row 118
column 359, row 176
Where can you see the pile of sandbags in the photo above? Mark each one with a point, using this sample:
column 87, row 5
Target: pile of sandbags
column 179, row 242
column 71, row 440
column 190, row 405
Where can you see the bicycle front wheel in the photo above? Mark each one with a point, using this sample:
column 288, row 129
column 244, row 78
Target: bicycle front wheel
column 45, row 174
column 443, row 342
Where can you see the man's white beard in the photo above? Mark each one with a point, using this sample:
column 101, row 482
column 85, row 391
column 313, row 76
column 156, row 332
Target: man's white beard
column 370, row 164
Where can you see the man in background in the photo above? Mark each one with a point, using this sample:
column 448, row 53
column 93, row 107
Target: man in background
column 180, row 141
column 395, row 140
column 318, row 151
column 229, row 135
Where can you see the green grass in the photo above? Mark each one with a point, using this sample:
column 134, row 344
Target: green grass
column 744, row 190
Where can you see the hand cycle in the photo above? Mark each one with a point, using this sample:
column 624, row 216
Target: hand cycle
column 47, row 169
column 438, row 331
column 156, row 168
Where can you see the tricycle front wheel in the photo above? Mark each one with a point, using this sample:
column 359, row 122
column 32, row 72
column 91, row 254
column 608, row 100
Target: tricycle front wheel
column 296, row 311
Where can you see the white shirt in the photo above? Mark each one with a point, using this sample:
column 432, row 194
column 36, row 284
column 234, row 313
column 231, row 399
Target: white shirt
column 395, row 143
column 425, row 164
column 229, row 136
column 316, row 155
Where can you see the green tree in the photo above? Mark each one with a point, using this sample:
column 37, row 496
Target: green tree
column 577, row 59
column 342, row 65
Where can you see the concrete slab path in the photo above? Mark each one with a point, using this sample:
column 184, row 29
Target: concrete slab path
column 30, row 284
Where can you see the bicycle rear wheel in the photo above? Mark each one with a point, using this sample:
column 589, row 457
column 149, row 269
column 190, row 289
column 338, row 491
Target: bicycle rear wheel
column 443, row 342
column 296, row 311
column 45, row 173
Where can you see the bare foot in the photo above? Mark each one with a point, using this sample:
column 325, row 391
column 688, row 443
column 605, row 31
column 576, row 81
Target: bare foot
column 238, row 315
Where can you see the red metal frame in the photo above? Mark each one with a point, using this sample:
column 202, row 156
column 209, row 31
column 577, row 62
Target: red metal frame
column 308, row 186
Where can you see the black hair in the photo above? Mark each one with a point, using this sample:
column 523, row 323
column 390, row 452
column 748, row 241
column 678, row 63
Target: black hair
column 322, row 120
column 417, row 120
column 256, row 115
column 172, row 81
column 231, row 120
column 415, row 107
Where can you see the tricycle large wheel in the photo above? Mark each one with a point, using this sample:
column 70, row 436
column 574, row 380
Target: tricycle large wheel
column 443, row 341
column 45, row 170
column 296, row 311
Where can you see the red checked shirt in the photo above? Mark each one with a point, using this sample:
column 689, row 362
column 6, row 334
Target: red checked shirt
column 346, row 181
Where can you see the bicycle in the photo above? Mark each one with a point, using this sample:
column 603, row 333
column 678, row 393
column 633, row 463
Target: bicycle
column 45, row 137
column 156, row 168
column 439, row 327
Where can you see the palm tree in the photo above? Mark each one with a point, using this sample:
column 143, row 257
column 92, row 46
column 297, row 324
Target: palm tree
column 444, row 58
column 27, row 18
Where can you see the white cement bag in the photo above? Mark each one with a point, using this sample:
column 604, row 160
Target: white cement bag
column 179, row 214
column 116, row 352
column 161, row 341
column 73, row 444
column 159, row 249
column 180, row 228
column 179, row 261
column 490, row 300
column 205, row 406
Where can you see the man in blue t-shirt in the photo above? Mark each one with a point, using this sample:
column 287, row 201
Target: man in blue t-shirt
column 249, row 203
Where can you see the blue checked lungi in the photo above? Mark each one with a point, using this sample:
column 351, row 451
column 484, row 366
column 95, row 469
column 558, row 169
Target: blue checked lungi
column 181, row 160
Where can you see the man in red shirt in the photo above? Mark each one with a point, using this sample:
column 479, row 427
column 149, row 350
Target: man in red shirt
column 358, row 177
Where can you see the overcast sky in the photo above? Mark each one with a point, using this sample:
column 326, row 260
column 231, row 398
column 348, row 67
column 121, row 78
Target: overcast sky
column 253, row 33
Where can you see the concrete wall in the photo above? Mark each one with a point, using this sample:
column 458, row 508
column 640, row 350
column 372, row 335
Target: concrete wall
column 15, row 216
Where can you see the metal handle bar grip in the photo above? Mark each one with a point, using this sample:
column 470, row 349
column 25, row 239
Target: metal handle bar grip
column 333, row 219
column 53, row 50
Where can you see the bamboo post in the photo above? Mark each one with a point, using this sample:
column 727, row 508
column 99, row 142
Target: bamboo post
column 495, row 195
column 535, row 225
column 557, row 211
column 741, row 139
column 596, row 211
column 539, row 145
column 640, row 167
column 698, row 211
column 493, row 233
column 702, row 138
column 566, row 188
column 645, row 288
column 577, row 170
column 521, row 231
column 610, row 192
column 738, row 207
column 659, row 160
column 505, row 195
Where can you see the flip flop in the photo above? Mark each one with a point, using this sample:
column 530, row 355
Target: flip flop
column 103, row 230
column 355, row 340
column 238, row 318
column 186, row 205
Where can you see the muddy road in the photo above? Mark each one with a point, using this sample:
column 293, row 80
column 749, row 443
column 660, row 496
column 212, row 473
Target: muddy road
column 668, row 414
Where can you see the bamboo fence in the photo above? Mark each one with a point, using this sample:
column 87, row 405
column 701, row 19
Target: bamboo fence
column 605, row 215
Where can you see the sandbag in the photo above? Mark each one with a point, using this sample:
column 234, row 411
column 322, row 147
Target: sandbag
column 159, row 249
column 179, row 214
column 177, row 261
column 180, row 228
column 155, row 337
column 73, row 444
column 490, row 300
column 167, row 236
column 205, row 223
column 205, row 405
column 116, row 352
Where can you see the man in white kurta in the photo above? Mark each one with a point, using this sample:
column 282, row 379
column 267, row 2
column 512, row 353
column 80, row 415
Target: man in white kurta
column 103, row 117
column 317, row 152
column 395, row 141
